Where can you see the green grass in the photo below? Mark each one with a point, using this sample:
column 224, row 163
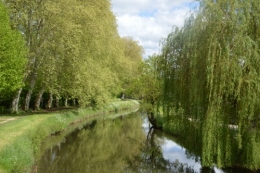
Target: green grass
column 21, row 139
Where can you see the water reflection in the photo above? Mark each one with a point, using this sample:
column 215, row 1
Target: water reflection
column 126, row 144
column 152, row 159
column 103, row 147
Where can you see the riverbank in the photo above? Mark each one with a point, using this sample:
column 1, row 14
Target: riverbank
column 21, row 138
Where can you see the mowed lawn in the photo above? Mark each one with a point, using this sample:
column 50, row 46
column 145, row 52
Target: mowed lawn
column 16, row 133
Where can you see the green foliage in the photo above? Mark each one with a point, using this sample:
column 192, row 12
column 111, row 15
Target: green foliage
column 74, row 50
column 12, row 56
column 130, row 69
column 146, row 84
column 210, row 69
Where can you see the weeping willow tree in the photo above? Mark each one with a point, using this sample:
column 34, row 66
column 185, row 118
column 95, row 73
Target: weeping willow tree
column 211, row 75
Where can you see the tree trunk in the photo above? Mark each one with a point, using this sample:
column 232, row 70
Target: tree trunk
column 153, row 121
column 15, row 102
column 57, row 101
column 66, row 102
column 39, row 99
column 123, row 96
column 49, row 105
column 16, row 99
column 29, row 94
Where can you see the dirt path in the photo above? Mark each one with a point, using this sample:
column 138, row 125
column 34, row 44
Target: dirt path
column 10, row 119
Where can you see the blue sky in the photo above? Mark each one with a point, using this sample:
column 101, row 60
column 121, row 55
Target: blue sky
column 148, row 21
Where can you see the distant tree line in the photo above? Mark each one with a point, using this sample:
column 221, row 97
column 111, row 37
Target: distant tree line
column 63, row 50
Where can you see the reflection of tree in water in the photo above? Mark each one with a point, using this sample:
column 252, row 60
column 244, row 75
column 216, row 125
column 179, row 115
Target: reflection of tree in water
column 99, row 148
column 151, row 159
column 190, row 143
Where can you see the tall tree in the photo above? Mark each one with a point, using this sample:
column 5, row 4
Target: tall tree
column 74, row 50
column 29, row 17
column 211, row 72
column 133, row 53
column 12, row 56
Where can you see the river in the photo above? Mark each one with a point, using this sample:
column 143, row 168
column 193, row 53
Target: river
column 121, row 145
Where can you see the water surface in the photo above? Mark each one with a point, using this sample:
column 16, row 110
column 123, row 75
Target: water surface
column 121, row 145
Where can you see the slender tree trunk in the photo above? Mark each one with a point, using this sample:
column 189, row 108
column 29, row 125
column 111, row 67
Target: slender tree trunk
column 16, row 99
column 57, row 101
column 15, row 102
column 153, row 121
column 49, row 105
column 29, row 94
column 38, row 99
column 66, row 102
column 123, row 96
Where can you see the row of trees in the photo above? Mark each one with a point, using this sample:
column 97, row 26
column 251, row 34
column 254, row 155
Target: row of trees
column 208, row 72
column 67, row 48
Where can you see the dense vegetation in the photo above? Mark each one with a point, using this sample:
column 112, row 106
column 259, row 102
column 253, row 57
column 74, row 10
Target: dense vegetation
column 208, row 75
column 67, row 50
column 205, row 81
column 12, row 56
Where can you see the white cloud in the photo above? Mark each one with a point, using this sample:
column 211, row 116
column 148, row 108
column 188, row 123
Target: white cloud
column 149, row 20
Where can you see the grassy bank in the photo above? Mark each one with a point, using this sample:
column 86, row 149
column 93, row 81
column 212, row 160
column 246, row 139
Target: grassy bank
column 21, row 138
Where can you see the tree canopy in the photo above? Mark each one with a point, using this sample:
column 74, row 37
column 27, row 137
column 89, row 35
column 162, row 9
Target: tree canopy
column 74, row 52
column 210, row 74
column 12, row 56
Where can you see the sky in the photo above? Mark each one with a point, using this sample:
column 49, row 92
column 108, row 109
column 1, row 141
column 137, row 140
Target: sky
column 148, row 21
